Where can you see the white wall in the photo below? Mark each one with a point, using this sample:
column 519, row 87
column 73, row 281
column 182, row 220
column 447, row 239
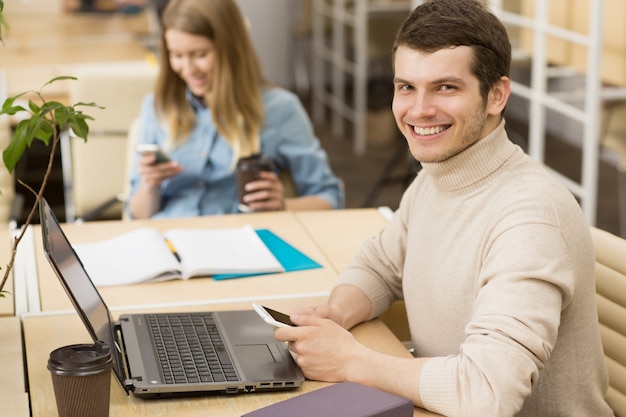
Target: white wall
column 271, row 33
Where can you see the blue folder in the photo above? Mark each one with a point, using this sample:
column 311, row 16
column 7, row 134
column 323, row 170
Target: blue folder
column 289, row 257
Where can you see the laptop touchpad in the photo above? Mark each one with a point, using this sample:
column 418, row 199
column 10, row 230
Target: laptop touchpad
column 257, row 360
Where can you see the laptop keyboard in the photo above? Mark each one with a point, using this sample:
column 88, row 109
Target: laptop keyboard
column 191, row 349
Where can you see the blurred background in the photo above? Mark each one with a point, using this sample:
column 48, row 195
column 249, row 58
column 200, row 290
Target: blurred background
column 567, row 108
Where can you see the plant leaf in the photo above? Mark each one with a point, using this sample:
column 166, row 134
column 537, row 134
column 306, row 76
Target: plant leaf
column 61, row 77
column 44, row 131
column 15, row 150
column 79, row 126
column 38, row 127
column 92, row 104
column 13, row 110
column 34, row 108
column 3, row 23
column 60, row 114
column 8, row 103
column 9, row 108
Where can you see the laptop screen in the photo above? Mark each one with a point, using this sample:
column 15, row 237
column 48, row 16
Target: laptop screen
column 84, row 295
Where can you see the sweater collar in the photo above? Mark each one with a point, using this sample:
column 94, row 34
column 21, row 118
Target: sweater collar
column 473, row 164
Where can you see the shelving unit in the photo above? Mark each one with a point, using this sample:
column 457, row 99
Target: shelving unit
column 593, row 94
column 540, row 100
column 344, row 63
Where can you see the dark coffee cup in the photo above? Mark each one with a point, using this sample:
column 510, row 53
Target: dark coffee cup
column 248, row 170
column 81, row 377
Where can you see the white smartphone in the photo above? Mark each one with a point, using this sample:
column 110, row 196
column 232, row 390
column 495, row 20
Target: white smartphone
column 273, row 317
column 160, row 156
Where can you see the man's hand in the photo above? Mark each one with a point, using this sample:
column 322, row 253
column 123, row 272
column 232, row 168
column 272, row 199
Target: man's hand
column 325, row 350
column 324, row 312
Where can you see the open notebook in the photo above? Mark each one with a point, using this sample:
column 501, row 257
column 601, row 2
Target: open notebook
column 147, row 255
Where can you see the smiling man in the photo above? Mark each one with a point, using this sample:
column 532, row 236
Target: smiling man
column 490, row 253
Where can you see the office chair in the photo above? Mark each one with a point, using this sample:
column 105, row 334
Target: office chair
column 611, row 302
column 613, row 138
column 95, row 173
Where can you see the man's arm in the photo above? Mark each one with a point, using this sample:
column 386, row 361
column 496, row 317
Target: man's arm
column 326, row 351
column 348, row 306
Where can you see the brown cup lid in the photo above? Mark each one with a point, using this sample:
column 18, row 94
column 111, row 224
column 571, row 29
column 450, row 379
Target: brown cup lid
column 81, row 359
column 256, row 162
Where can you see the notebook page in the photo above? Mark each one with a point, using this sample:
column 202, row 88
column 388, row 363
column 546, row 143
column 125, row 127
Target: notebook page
column 133, row 257
column 205, row 252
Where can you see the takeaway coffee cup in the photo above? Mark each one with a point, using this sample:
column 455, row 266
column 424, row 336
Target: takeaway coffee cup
column 81, row 377
column 248, row 170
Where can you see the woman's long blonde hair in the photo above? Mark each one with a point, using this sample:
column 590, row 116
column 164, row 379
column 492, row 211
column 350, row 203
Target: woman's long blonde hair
column 235, row 97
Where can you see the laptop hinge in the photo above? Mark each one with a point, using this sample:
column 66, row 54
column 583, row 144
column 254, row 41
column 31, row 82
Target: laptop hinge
column 128, row 383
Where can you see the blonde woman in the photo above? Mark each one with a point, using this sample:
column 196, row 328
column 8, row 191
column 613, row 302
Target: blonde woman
column 212, row 106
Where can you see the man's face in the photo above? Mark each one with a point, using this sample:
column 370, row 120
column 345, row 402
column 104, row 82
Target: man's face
column 437, row 102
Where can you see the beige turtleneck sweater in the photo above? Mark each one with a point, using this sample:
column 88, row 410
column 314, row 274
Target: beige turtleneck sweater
column 495, row 262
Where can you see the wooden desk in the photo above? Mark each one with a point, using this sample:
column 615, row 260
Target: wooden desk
column 196, row 290
column 39, row 47
column 13, row 395
column 45, row 333
column 72, row 27
column 15, row 404
column 339, row 233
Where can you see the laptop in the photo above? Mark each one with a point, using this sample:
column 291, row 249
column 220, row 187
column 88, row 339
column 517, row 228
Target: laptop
column 227, row 352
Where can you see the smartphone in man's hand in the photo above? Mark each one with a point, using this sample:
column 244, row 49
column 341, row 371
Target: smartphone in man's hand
column 273, row 317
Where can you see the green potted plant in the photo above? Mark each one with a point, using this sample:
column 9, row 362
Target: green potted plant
column 43, row 121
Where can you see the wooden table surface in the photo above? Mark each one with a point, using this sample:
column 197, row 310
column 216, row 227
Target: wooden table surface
column 195, row 290
column 45, row 333
column 39, row 47
column 339, row 233
column 13, row 395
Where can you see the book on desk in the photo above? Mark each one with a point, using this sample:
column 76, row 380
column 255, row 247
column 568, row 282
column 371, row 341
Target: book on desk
column 345, row 399
column 147, row 255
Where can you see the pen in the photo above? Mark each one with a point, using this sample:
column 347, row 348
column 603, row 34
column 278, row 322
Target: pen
column 173, row 249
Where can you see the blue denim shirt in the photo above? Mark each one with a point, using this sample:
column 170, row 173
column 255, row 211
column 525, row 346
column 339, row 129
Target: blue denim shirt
column 208, row 183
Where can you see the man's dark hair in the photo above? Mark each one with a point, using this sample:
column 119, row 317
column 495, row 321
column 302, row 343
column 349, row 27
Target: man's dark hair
column 439, row 24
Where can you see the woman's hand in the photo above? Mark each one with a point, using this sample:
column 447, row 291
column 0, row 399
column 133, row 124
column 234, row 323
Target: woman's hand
column 147, row 200
column 265, row 193
column 153, row 174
